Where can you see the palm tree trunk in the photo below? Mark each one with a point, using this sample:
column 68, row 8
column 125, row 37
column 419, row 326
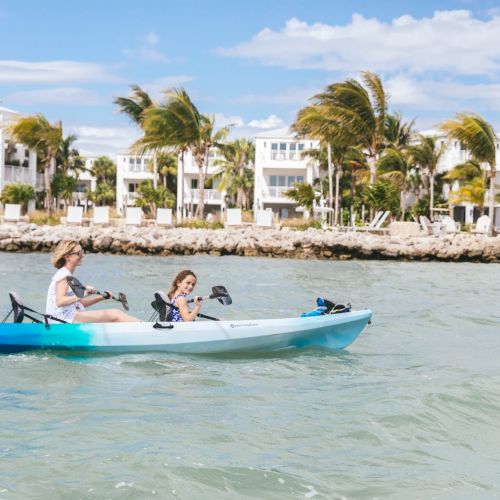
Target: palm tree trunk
column 155, row 171
column 200, row 209
column 330, row 177
column 372, row 165
column 402, row 204
column 431, row 196
column 337, row 193
column 492, row 200
column 48, row 190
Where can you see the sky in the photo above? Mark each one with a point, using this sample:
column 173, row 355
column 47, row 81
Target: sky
column 251, row 64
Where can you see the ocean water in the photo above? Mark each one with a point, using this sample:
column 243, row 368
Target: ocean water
column 410, row 410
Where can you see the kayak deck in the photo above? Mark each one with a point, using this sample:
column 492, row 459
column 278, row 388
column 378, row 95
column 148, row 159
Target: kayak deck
column 334, row 331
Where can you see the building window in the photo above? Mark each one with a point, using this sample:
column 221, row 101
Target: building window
column 274, row 151
column 26, row 153
column 131, row 188
column 194, row 183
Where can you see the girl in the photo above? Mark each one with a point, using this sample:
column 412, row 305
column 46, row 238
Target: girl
column 63, row 303
column 182, row 286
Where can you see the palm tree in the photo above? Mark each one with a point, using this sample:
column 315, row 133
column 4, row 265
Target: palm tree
column 37, row 133
column 167, row 169
column 304, row 194
column 427, row 155
column 235, row 170
column 479, row 138
column 18, row 193
column 104, row 170
column 359, row 114
column 178, row 123
column 134, row 107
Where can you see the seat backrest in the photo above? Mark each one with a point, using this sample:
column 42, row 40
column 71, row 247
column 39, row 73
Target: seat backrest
column 101, row 215
column 264, row 218
column 134, row 216
column 449, row 224
column 17, row 307
column 382, row 219
column 482, row 224
column 162, row 305
column 233, row 217
column 12, row 212
column 164, row 216
column 426, row 224
column 376, row 218
column 75, row 215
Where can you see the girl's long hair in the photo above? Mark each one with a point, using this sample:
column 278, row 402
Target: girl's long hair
column 63, row 248
column 178, row 279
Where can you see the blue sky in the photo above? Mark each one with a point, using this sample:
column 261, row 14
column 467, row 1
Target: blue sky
column 253, row 64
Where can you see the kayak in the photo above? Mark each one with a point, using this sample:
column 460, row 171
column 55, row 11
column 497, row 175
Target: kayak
column 332, row 331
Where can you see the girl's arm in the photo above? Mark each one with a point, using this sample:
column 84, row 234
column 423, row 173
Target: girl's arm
column 184, row 310
column 90, row 301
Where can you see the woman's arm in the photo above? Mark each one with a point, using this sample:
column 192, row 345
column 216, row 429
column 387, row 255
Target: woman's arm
column 90, row 301
column 184, row 310
column 61, row 298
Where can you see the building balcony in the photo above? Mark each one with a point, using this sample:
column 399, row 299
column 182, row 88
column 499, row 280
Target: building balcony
column 210, row 196
column 276, row 194
column 286, row 155
column 17, row 174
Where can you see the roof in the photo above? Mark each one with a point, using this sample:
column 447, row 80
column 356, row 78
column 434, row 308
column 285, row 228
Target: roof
column 283, row 132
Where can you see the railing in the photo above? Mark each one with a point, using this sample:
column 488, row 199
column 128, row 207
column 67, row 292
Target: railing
column 285, row 155
column 17, row 174
column 131, row 197
column 209, row 195
column 277, row 192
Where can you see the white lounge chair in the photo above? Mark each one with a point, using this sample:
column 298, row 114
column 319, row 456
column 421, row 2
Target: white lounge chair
column 482, row 225
column 134, row 216
column 74, row 215
column 11, row 213
column 449, row 225
column 233, row 217
column 376, row 224
column 101, row 215
column 163, row 217
column 264, row 218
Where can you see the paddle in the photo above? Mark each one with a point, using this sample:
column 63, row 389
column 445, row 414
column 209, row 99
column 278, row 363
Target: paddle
column 79, row 290
column 220, row 293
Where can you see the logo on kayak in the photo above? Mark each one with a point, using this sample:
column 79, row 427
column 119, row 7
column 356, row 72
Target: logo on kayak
column 232, row 325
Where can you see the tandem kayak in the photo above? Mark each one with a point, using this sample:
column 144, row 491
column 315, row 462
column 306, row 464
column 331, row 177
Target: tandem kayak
column 332, row 331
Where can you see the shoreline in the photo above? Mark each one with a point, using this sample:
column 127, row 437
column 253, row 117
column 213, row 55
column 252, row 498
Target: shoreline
column 253, row 242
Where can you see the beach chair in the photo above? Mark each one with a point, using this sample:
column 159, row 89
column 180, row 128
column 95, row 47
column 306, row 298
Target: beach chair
column 163, row 217
column 233, row 217
column 133, row 216
column 74, row 216
column 11, row 213
column 373, row 222
column 264, row 218
column 376, row 225
column 101, row 216
column 449, row 225
column 482, row 225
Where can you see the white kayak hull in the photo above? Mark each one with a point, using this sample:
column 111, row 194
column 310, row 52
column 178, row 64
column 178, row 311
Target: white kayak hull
column 335, row 331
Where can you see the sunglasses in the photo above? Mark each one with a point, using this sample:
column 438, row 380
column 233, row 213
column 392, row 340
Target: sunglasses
column 80, row 253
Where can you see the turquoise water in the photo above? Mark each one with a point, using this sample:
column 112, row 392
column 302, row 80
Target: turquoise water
column 410, row 410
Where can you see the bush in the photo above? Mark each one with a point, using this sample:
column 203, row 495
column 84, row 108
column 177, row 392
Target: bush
column 18, row 193
column 300, row 224
column 201, row 224
column 43, row 218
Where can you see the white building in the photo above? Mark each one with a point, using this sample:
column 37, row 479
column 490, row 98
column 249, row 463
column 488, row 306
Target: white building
column 188, row 189
column 280, row 162
column 17, row 162
column 86, row 183
column 131, row 170
column 455, row 154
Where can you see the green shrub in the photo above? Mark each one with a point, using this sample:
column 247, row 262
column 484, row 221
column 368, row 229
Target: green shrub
column 43, row 218
column 201, row 224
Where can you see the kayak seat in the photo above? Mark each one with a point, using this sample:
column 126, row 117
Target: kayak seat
column 325, row 306
column 162, row 305
column 17, row 307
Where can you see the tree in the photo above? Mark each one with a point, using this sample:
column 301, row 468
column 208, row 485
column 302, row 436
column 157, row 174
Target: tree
column 152, row 198
column 304, row 194
column 427, row 155
column 235, row 170
column 104, row 170
column 134, row 107
column 37, row 133
column 18, row 193
column 178, row 123
column 479, row 138
column 382, row 195
column 359, row 114
column 167, row 169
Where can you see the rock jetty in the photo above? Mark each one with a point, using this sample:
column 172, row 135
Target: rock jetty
column 252, row 241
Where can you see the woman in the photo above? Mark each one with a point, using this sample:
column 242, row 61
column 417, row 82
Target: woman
column 62, row 301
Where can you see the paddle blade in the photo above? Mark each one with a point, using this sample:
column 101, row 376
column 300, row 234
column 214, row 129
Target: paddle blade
column 76, row 286
column 123, row 299
column 222, row 295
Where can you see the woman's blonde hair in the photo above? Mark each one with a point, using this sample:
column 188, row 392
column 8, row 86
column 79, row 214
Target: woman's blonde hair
column 63, row 248
column 180, row 277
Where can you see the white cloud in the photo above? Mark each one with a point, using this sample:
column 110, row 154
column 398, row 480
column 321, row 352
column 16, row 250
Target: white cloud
column 146, row 51
column 452, row 41
column 54, row 72
column 95, row 140
column 224, row 121
column 61, row 95
column 295, row 96
column 272, row 121
column 155, row 87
